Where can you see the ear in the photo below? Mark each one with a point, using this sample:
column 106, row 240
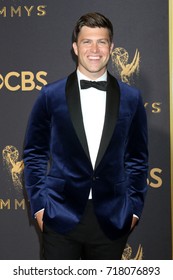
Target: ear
column 75, row 48
column 111, row 48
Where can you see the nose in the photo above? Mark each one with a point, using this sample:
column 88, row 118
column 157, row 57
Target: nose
column 94, row 47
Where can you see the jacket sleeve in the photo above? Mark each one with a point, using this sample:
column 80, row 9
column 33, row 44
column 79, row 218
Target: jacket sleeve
column 36, row 153
column 136, row 157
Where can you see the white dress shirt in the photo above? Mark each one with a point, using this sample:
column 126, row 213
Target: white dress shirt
column 93, row 104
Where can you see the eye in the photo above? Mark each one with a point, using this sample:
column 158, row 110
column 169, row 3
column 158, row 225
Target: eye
column 103, row 42
column 86, row 42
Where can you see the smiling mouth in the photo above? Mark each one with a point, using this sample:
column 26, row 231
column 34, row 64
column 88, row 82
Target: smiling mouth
column 93, row 57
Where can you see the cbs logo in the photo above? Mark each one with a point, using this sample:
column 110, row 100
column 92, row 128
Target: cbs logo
column 25, row 80
column 155, row 107
column 155, row 180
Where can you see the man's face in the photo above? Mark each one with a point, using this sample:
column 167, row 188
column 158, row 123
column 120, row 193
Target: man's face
column 93, row 49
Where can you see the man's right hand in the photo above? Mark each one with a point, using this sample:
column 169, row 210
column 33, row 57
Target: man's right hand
column 39, row 218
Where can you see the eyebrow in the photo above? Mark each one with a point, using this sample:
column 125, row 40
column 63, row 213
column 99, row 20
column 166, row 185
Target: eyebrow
column 100, row 39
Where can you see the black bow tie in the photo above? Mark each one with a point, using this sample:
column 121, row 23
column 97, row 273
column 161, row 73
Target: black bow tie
column 101, row 85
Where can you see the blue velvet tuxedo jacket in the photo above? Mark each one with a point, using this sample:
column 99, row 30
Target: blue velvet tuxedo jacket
column 58, row 171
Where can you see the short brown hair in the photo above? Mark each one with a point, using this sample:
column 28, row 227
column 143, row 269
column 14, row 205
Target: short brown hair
column 93, row 20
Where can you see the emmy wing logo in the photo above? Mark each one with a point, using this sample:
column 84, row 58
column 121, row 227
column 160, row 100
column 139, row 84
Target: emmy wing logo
column 125, row 69
column 15, row 167
column 127, row 254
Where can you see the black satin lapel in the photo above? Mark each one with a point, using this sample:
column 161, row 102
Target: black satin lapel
column 112, row 109
column 74, row 106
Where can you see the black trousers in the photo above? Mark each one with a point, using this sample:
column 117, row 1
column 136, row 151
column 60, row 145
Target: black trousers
column 86, row 242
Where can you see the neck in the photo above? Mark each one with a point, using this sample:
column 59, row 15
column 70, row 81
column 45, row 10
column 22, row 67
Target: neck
column 93, row 77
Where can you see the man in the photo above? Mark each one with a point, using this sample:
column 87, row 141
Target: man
column 85, row 154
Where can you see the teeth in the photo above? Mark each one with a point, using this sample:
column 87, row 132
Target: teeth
column 91, row 57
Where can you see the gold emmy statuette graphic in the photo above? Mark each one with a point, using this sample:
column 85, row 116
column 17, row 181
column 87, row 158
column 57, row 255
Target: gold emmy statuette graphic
column 127, row 254
column 10, row 157
column 125, row 70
